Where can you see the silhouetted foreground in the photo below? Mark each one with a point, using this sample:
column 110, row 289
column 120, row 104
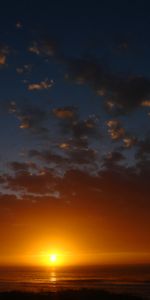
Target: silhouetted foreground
column 67, row 295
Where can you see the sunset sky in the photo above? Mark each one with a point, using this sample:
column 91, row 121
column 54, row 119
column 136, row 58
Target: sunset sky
column 75, row 132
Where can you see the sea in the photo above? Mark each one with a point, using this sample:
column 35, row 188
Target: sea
column 133, row 279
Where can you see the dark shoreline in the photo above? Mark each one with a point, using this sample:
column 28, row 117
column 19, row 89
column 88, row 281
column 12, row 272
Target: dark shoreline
column 84, row 294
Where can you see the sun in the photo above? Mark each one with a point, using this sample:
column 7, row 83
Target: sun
column 53, row 258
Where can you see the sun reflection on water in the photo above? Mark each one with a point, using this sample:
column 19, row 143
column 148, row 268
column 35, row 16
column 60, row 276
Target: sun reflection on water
column 53, row 277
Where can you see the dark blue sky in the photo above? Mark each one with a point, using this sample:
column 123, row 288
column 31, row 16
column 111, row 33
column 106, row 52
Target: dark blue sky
column 75, row 82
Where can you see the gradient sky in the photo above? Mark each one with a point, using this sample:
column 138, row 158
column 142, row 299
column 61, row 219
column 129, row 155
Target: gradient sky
column 75, row 133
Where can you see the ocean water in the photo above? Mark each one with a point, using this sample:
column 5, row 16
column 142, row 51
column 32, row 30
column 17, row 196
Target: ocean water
column 121, row 279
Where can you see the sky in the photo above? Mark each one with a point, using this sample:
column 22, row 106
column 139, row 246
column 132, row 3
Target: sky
column 75, row 132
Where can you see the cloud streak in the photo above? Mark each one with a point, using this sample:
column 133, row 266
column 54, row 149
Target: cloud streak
column 43, row 85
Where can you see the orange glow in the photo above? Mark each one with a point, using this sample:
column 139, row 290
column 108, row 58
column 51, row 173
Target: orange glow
column 75, row 233
column 53, row 259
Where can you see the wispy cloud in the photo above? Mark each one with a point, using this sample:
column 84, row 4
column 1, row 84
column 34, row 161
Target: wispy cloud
column 65, row 112
column 115, row 130
column 24, row 69
column 47, row 47
column 129, row 141
column 146, row 103
column 45, row 84
column 4, row 51
column 31, row 118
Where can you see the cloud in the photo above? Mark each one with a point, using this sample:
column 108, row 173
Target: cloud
column 113, row 183
column 121, row 94
column 31, row 117
column 2, row 59
column 46, row 47
column 19, row 25
column 75, row 143
column 64, row 146
column 129, row 93
column 65, row 112
column 83, row 156
column 34, row 48
column 46, row 84
column 143, row 151
column 146, row 103
column 88, row 127
column 23, row 167
column 12, row 107
column 84, row 71
column 2, row 179
column 113, row 162
column 72, row 131
column 112, row 159
column 26, row 182
column 62, row 161
column 76, row 133
column 48, row 157
column 4, row 51
column 24, row 69
column 129, row 141
column 115, row 130
column 115, row 186
column 79, row 129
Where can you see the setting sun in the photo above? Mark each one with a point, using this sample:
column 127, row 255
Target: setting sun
column 53, row 258
column 75, row 150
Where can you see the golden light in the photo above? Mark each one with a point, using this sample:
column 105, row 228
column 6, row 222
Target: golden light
column 53, row 258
